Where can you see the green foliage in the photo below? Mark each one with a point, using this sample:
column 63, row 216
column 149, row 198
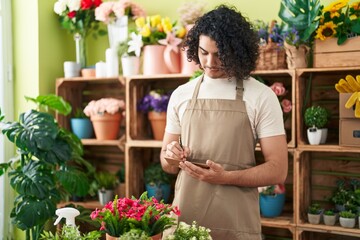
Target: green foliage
column 135, row 234
column 316, row 116
column 121, row 173
column 314, row 208
column 347, row 214
column 42, row 172
column 193, row 231
column 155, row 175
column 70, row 233
column 302, row 15
column 329, row 212
column 79, row 113
column 105, row 180
column 196, row 74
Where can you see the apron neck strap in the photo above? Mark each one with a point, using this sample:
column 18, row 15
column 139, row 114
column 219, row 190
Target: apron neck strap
column 239, row 89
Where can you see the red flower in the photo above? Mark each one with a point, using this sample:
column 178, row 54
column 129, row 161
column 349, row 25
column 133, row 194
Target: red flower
column 86, row 4
column 97, row 2
column 71, row 14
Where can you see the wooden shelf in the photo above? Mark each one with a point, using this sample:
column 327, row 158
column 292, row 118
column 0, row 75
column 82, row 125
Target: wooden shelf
column 144, row 143
column 327, row 148
column 330, row 229
column 278, row 222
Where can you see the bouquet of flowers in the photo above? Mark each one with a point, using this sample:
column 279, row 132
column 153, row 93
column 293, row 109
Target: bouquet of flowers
column 155, row 100
column 124, row 214
column 340, row 20
column 154, row 28
column 78, row 16
column 108, row 12
column 272, row 190
column 109, row 105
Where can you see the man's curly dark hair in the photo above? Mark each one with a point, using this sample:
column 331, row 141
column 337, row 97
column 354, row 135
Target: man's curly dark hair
column 235, row 38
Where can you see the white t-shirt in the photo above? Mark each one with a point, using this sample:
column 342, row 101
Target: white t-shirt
column 262, row 105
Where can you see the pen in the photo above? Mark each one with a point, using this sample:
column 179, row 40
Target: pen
column 180, row 142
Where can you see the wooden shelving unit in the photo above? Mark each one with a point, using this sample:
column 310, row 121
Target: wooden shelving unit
column 312, row 169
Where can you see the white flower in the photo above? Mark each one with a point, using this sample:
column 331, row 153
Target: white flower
column 60, row 6
column 135, row 44
column 73, row 5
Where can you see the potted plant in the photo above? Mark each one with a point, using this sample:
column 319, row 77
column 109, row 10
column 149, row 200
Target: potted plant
column 106, row 115
column 44, row 170
column 329, row 217
column 157, row 182
column 316, row 117
column 129, row 52
column 81, row 125
column 106, row 183
column 120, row 174
column 301, row 19
column 347, row 219
column 193, row 231
column 314, row 213
column 152, row 217
column 70, row 232
column 272, row 199
column 155, row 105
column 341, row 196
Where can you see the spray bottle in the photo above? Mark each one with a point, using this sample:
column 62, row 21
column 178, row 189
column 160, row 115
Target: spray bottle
column 69, row 214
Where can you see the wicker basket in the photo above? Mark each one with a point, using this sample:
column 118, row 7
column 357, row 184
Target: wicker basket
column 271, row 57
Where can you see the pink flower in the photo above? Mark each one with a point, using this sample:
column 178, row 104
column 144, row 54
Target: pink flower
column 278, row 88
column 286, row 105
column 109, row 105
column 71, row 14
column 102, row 13
column 279, row 188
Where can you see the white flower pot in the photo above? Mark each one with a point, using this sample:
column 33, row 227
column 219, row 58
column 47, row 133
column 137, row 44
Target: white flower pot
column 324, row 133
column 130, row 65
column 314, row 218
column 314, row 136
column 105, row 196
column 329, row 220
column 347, row 222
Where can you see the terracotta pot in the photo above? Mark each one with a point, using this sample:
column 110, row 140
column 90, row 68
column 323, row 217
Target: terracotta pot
column 108, row 237
column 155, row 237
column 186, row 66
column 158, row 123
column 106, row 126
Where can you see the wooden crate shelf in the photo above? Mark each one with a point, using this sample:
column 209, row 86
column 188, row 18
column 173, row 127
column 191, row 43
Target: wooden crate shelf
column 317, row 87
column 137, row 87
column 316, row 232
column 287, row 77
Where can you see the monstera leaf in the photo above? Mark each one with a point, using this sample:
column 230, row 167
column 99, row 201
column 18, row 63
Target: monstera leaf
column 35, row 131
column 301, row 14
column 30, row 212
column 53, row 102
column 32, row 179
column 74, row 181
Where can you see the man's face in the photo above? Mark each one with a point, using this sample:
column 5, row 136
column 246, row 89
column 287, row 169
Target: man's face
column 209, row 59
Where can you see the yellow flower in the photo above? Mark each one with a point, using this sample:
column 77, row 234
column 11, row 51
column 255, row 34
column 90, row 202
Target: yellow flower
column 155, row 20
column 180, row 32
column 145, row 31
column 336, row 6
column 140, row 22
column 326, row 31
column 355, row 5
column 166, row 23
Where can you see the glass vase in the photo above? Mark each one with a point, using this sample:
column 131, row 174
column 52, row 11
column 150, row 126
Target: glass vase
column 80, row 49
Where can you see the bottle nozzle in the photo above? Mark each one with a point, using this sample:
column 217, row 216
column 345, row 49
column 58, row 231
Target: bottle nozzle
column 68, row 213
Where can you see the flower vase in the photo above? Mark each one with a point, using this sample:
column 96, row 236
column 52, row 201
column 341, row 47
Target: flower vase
column 108, row 237
column 153, row 61
column 118, row 31
column 80, row 46
column 158, row 123
column 296, row 57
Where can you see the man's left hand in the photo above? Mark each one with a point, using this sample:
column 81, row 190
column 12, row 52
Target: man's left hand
column 214, row 174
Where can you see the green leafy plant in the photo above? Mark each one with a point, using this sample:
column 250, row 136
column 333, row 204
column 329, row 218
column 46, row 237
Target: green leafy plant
column 342, row 195
column 314, row 209
column 329, row 212
column 145, row 214
column 347, row 214
column 155, row 175
column 193, row 231
column 70, row 233
column 135, row 234
column 302, row 16
column 121, row 173
column 316, row 117
column 44, row 170
column 79, row 113
column 105, row 180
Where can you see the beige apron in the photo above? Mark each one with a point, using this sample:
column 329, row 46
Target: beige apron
column 219, row 130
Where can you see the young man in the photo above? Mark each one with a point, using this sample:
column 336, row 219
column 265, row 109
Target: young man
column 219, row 117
